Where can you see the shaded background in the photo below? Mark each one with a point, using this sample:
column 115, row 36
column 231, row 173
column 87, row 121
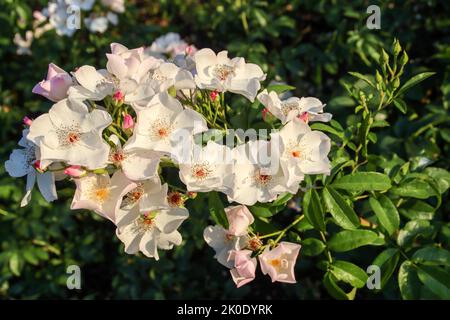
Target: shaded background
column 308, row 44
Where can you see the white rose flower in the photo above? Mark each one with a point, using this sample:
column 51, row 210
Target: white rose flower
column 93, row 84
column 102, row 194
column 303, row 151
column 151, row 224
column 70, row 133
column 163, row 122
column 306, row 108
column 223, row 242
column 22, row 162
column 218, row 72
column 136, row 164
column 209, row 168
column 257, row 174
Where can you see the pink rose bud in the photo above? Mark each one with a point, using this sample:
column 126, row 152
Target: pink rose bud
column 244, row 267
column 190, row 50
column 213, row 95
column 239, row 218
column 118, row 97
column 56, row 85
column 128, row 122
column 74, row 171
column 27, row 121
column 304, row 117
column 279, row 263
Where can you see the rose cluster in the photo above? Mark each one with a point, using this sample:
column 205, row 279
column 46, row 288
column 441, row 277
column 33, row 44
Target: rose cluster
column 113, row 132
column 65, row 17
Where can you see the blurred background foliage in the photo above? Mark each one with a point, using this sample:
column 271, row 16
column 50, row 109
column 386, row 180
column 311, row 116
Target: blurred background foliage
column 310, row 44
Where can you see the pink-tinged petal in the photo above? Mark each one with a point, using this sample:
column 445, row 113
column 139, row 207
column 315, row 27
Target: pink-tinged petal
column 39, row 89
column 279, row 262
column 116, row 65
column 74, row 171
column 244, row 266
column 117, row 48
column 54, row 70
column 239, row 218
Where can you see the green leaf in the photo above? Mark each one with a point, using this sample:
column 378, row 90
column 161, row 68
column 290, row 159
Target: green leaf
column 435, row 279
column 217, row 210
column 414, row 189
column 326, row 128
column 342, row 213
column 349, row 273
column 362, row 77
column 280, row 88
column 442, row 177
column 312, row 247
column 408, row 281
column 329, row 281
column 401, row 105
column 432, row 256
column 282, row 199
column 260, row 211
column 386, row 213
column 347, row 240
column 414, row 80
column 15, row 264
column 417, row 210
column 363, row 181
column 387, row 261
column 412, row 230
column 313, row 209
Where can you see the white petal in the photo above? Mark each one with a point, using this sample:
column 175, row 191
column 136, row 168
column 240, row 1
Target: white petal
column 46, row 185
column 31, row 179
column 170, row 219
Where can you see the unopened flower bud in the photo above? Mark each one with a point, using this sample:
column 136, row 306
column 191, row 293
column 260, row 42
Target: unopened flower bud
column 213, row 95
column 74, row 171
column 27, row 121
column 118, row 98
column 128, row 122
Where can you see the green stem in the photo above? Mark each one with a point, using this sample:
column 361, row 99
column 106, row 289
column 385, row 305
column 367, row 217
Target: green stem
column 283, row 232
column 327, row 251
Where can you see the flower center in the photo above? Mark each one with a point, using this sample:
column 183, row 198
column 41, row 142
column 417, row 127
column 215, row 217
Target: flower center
column 287, row 107
column 73, row 137
column 68, row 135
column 279, row 263
column 296, row 150
column 161, row 129
column 117, row 156
column 223, row 71
column 157, row 75
column 101, row 194
column 201, row 171
column 254, row 243
column 296, row 153
column 262, row 179
column 175, row 199
column 146, row 221
column 134, row 195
